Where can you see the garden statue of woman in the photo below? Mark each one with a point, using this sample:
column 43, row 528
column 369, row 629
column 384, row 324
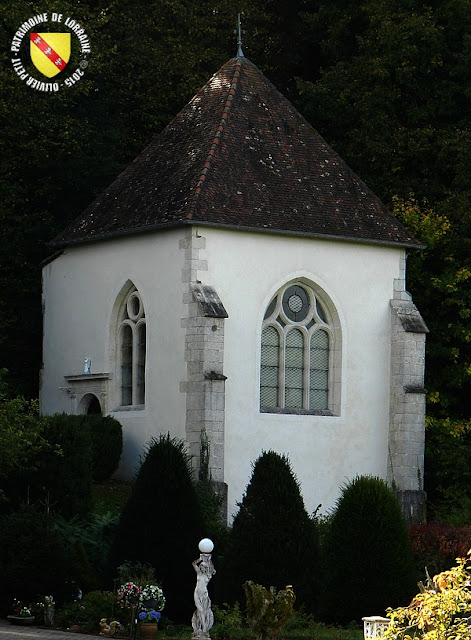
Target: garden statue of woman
column 203, row 617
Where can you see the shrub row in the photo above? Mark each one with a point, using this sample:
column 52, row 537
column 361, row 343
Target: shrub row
column 81, row 449
column 365, row 563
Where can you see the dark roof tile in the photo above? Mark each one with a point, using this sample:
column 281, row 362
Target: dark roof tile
column 239, row 155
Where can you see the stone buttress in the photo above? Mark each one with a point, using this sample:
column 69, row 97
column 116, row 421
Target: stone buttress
column 204, row 355
column 407, row 406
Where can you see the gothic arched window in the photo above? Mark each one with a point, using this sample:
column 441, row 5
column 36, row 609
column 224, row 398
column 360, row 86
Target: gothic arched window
column 132, row 350
column 296, row 353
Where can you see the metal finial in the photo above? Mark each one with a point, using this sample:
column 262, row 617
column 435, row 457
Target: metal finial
column 240, row 53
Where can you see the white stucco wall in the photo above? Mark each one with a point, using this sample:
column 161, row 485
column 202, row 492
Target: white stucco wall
column 246, row 270
column 79, row 291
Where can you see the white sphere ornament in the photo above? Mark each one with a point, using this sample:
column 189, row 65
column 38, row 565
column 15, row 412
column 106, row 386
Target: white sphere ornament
column 206, row 545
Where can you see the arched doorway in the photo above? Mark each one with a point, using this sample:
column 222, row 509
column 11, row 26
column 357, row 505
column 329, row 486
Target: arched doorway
column 90, row 405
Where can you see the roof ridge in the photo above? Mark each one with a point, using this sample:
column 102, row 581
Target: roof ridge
column 216, row 138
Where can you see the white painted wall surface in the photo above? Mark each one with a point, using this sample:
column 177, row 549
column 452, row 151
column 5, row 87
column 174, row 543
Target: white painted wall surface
column 247, row 269
column 79, row 290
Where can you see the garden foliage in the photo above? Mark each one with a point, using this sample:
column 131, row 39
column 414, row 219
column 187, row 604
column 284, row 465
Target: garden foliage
column 436, row 545
column 273, row 541
column 161, row 524
column 64, row 482
column 50, row 541
column 33, row 559
column 368, row 560
column 268, row 611
column 107, row 445
column 56, row 458
column 448, row 485
column 441, row 611
column 87, row 612
column 211, row 504
column 22, row 439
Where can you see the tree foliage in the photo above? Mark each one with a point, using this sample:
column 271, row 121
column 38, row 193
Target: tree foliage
column 22, row 437
column 392, row 96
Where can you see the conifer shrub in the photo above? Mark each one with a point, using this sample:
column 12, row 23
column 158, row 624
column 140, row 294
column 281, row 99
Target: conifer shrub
column 368, row 561
column 161, row 525
column 273, row 541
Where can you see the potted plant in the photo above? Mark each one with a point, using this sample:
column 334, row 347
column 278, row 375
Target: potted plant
column 21, row 613
column 128, row 597
column 148, row 623
column 151, row 603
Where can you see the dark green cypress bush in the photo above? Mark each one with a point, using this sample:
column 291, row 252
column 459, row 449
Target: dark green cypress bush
column 161, row 525
column 107, row 445
column 368, row 561
column 273, row 540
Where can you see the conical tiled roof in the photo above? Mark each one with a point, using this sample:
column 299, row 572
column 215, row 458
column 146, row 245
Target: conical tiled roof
column 239, row 155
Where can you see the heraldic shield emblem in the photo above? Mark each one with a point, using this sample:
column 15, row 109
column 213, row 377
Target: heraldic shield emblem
column 50, row 52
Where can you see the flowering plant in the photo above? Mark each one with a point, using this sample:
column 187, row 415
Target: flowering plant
column 152, row 598
column 128, row 595
column 149, row 615
column 20, row 609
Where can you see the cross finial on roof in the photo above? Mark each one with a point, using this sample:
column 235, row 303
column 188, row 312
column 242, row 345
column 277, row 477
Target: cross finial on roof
column 240, row 53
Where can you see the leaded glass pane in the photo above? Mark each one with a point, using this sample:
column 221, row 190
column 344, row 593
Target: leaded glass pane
column 269, row 370
column 320, row 340
column 268, row 397
column 126, row 365
column 318, row 401
column 295, row 303
column 294, row 365
column 271, row 308
column 321, row 312
column 319, row 379
column 305, row 361
column 141, row 364
column 319, row 371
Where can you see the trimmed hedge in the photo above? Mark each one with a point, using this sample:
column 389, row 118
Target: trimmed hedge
column 273, row 541
column 107, row 445
column 369, row 564
column 82, row 449
column 161, row 524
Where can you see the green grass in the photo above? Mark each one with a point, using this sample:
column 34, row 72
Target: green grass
column 110, row 496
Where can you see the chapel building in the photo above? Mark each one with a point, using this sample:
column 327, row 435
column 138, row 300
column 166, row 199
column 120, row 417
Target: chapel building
column 239, row 280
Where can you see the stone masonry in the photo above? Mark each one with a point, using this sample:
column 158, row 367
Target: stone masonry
column 204, row 354
column 407, row 405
